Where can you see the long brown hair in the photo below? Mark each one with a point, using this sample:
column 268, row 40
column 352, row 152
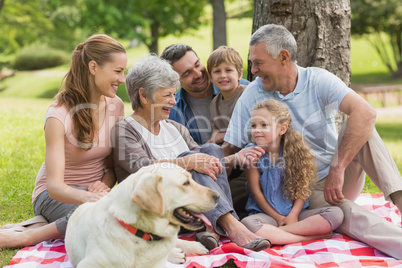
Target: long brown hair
column 300, row 171
column 78, row 84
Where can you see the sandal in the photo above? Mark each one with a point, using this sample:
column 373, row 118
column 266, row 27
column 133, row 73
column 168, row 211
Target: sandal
column 207, row 240
column 258, row 244
column 19, row 227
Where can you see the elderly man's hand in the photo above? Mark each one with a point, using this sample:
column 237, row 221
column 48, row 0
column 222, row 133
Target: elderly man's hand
column 333, row 186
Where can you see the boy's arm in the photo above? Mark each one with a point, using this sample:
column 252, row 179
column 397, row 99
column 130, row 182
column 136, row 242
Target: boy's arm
column 217, row 137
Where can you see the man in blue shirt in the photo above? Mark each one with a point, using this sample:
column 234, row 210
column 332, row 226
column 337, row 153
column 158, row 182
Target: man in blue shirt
column 196, row 93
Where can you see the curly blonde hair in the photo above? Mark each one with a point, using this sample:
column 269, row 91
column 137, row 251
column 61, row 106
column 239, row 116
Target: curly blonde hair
column 300, row 171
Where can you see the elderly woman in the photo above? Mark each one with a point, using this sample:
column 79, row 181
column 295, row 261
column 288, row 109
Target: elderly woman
column 147, row 136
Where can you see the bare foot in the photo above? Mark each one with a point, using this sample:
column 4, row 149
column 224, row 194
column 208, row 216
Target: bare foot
column 241, row 235
column 11, row 239
column 236, row 231
column 29, row 236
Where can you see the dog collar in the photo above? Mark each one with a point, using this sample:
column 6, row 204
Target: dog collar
column 138, row 232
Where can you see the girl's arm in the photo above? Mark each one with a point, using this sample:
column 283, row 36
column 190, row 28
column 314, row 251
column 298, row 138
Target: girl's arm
column 55, row 164
column 293, row 216
column 253, row 176
column 244, row 157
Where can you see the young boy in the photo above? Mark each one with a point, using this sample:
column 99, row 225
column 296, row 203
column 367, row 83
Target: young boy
column 225, row 68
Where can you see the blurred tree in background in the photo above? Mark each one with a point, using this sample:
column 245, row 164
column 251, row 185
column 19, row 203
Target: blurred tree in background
column 146, row 21
column 21, row 23
column 375, row 18
column 62, row 23
column 65, row 19
column 218, row 23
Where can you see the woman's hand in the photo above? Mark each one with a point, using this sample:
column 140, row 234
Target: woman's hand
column 93, row 197
column 97, row 187
column 96, row 191
column 204, row 163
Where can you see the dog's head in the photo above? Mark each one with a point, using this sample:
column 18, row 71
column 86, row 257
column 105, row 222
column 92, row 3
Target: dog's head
column 169, row 191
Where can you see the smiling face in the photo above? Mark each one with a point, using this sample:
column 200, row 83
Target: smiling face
column 193, row 75
column 266, row 67
column 225, row 77
column 109, row 76
column 265, row 131
column 160, row 106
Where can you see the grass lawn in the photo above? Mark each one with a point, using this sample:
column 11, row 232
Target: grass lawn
column 22, row 152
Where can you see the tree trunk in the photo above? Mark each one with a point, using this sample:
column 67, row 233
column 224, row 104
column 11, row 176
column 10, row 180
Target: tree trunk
column 1, row 4
column 321, row 30
column 153, row 45
column 219, row 23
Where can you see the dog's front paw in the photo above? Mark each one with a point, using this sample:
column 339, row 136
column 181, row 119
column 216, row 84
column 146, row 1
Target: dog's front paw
column 177, row 256
column 192, row 247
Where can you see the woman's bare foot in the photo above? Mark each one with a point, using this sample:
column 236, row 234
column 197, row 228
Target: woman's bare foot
column 236, row 231
column 12, row 238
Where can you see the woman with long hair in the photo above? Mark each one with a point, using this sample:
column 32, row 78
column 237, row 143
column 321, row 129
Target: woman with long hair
column 78, row 166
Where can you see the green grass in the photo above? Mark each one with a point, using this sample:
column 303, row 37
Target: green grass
column 22, row 152
column 390, row 129
column 32, row 84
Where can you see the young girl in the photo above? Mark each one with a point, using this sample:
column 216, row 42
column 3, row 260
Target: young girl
column 78, row 166
column 281, row 181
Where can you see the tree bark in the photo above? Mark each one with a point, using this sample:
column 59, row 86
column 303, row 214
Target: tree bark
column 1, row 4
column 219, row 23
column 153, row 46
column 321, row 29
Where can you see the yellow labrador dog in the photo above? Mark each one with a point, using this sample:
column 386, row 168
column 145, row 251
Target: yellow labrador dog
column 137, row 223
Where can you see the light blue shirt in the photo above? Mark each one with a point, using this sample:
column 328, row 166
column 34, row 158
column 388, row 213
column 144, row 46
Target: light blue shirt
column 312, row 105
column 271, row 183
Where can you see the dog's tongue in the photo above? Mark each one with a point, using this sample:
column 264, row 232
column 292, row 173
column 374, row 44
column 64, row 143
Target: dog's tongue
column 207, row 223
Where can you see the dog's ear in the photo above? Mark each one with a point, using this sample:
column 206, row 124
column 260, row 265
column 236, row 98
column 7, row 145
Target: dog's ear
column 148, row 193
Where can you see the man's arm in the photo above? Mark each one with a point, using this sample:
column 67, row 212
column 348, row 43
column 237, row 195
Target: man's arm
column 358, row 130
column 229, row 149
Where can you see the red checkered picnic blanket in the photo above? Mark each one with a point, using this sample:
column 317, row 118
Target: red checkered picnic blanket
column 339, row 251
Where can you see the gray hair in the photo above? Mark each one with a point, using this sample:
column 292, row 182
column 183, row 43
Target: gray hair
column 150, row 73
column 276, row 38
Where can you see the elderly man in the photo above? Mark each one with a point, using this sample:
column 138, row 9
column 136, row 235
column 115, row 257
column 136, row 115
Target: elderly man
column 313, row 95
column 196, row 92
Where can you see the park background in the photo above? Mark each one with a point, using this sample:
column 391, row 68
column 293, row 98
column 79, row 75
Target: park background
column 26, row 94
